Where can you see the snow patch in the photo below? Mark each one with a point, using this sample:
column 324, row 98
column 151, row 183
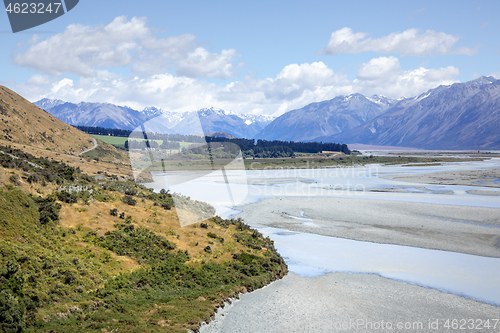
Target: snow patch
column 423, row 96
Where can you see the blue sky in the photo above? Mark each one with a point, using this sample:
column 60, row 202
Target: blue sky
column 262, row 57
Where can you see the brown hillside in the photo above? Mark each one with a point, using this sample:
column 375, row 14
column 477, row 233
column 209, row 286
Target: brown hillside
column 24, row 123
column 27, row 127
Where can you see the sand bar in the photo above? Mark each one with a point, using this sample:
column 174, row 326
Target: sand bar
column 471, row 230
column 485, row 178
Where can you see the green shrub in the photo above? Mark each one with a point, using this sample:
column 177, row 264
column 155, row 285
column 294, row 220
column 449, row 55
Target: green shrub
column 212, row 235
column 12, row 312
column 67, row 197
column 14, row 179
column 48, row 209
column 129, row 200
column 138, row 243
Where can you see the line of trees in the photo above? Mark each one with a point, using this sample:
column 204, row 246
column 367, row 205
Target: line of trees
column 141, row 135
column 105, row 131
column 261, row 146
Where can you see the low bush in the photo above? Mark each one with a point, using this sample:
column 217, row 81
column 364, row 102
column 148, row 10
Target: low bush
column 48, row 209
column 129, row 200
column 67, row 197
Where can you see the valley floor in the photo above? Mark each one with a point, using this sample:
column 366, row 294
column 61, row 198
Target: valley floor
column 343, row 298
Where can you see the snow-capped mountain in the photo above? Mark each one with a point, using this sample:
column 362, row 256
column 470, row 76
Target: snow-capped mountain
column 459, row 116
column 93, row 114
column 114, row 116
column 46, row 103
column 325, row 118
column 206, row 120
column 151, row 111
column 257, row 118
column 243, row 126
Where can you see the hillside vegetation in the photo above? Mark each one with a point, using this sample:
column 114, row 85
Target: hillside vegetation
column 24, row 123
column 27, row 127
column 79, row 255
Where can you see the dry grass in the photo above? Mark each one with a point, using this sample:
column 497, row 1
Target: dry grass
column 22, row 184
column 25, row 123
column 27, row 127
column 192, row 238
column 120, row 167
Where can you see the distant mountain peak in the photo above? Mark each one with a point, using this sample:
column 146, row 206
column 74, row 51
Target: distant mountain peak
column 257, row 118
column 380, row 99
column 153, row 110
column 213, row 111
column 484, row 80
column 46, row 103
column 472, row 86
column 349, row 97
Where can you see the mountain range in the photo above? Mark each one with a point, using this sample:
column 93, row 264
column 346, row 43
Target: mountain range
column 458, row 116
column 114, row 116
column 325, row 118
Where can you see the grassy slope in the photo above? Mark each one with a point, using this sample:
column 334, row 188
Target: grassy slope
column 24, row 123
column 27, row 127
column 95, row 272
column 110, row 160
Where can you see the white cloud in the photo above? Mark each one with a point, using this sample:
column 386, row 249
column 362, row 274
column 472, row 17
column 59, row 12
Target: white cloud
column 164, row 90
column 201, row 63
column 79, row 49
column 295, row 86
column 384, row 76
column 83, row 50
column 38, row 79
column 186, row 56
column 496, row 75
column 82, row 64
column 411, row 42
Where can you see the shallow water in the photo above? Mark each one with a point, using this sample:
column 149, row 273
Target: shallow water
column 311, row 255
column 248, row 186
